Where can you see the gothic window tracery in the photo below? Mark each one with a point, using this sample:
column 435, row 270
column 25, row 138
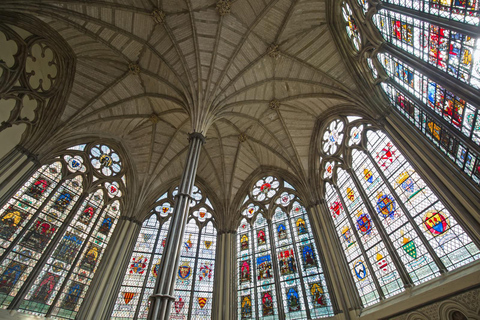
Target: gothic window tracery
column 393, row 229
column 278, row 266
column 431, row 61
column 196, row 272
column 62, row 214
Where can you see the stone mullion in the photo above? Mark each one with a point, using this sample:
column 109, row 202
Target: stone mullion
column 402, row 270
column 360, row 244
column 422, row 237
column 300, row 273
column 276, row 273
column 254, row 279
column 231, row 309
column 74, row 263
column 30, row 222
column 22, row 292
column 463, row 28
column 195, row 267
column 442, row 78
column 351, row 288
column 447, row 199
column 142, row 291
column 218, row 307
column 128, row 230
column 20, row 180
column 430, row 112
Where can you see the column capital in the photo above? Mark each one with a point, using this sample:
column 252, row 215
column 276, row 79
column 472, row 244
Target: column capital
column 31, row 156
column 131, row 220
column 196, row 135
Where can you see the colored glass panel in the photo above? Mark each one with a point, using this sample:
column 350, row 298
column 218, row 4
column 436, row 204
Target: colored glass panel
column 452, row 52
column 440, row 134
column 283, row 250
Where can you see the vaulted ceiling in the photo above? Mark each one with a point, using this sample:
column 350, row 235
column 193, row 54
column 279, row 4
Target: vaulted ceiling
column 148, row 83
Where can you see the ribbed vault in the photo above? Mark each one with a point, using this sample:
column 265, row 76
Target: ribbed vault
column 254, row 81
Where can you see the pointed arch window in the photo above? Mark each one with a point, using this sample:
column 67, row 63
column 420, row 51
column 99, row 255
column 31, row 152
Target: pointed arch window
column 431, row 71
column 351, row 26
column 278, row 266
column 195, row 275
column 54, row 230
column 393, row 228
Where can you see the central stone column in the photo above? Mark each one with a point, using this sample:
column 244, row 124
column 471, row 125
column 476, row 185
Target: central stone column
column 161, row 300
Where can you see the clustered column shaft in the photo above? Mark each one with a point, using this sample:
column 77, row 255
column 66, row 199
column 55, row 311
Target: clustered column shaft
column 162, row 298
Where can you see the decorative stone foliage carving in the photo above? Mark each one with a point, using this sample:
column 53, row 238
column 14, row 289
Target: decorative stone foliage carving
column 273, row 51
column 133, row 68
column 158, row 16
column 242, row 137
column 224, row 7
column 154, row 118
column 274, row 104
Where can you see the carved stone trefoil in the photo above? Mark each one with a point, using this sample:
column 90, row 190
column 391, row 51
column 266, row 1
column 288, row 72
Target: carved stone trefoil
column 273, row 51
column 274, row 104
column 158, row 16
column 224, row 7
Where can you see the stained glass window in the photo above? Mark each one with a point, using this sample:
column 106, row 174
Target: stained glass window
column 351, row 25
column 278, row 265
column 52, row 216
column 195, row 275
column 440, row 36
column 388, row 220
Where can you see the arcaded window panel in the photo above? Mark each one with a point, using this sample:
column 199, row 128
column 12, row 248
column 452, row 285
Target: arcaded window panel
column 245, row 276
column 452, row 109
column 186, row 272
column 279, row 250
column 153, row 266
column 447, row 238
column 361, row 273
column 452, row 52
column 370, row 236
column 20, row 262
column 204, row 273
column 463, row 11
column 440, row 135
column 48, row 205
column 265, row 279
column 317, row 298
column 82, row 274
column 26, row 201
column 414, row 255
column 351, row 26
column 195, row 275
column 130, row 293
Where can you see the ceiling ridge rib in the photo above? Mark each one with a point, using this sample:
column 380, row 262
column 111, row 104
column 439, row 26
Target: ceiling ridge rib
column 112, row 27
column 222, row 155
column 131, row 98
column 255, row 84
column 234, row 164
column 287, row 132
column 182, row 60
column 177, row 130
column 243, row 40
column 214, row 58
column 264, row 127
column 198, row 63
column 211, row 163
column 285, row 20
